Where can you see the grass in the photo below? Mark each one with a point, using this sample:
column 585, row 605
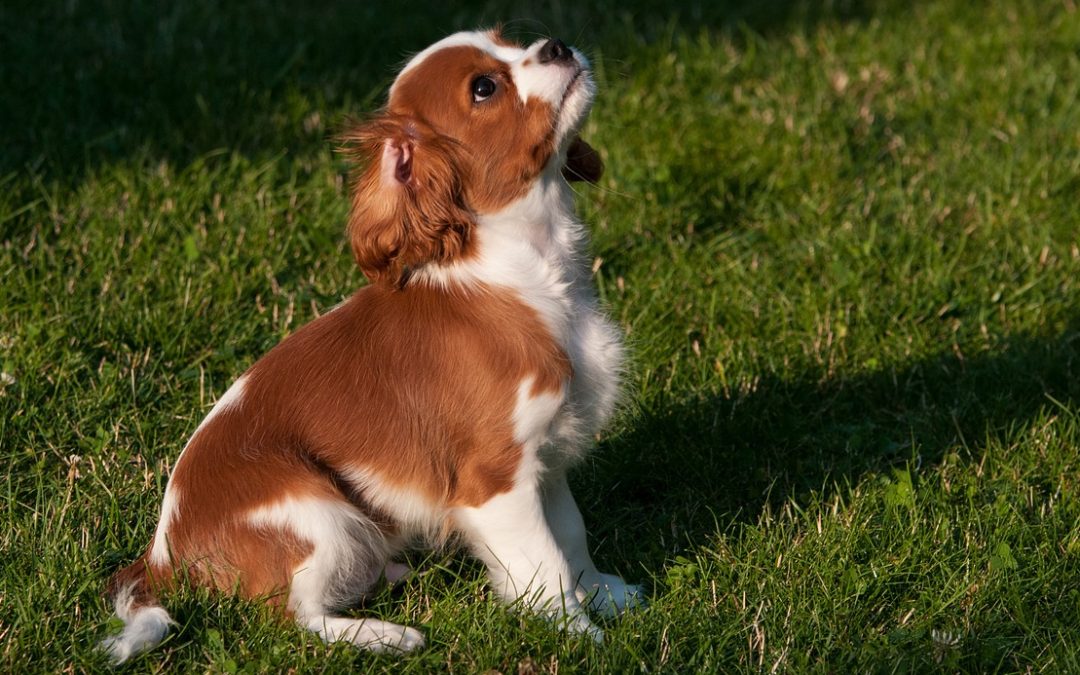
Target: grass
column 843, row 238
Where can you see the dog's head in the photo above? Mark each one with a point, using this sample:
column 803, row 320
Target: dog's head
column 472, row 123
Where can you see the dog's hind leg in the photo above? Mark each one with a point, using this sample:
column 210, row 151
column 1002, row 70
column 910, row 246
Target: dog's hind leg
column 348, row 556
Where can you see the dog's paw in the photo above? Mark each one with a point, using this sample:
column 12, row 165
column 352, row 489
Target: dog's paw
column 579, row 624
column 410, row 639
column 613, row 596
column 391, row 638
column 371, row 634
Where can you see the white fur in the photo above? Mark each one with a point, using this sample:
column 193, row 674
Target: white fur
column 371, row 634
column 529, row 247
column 409, row 508
column 159, row 552
column 480, row 40
column 144, row 628
column 348, row 558
column 348, row 550
column 533, row 413
column 546, row 81
column 510, row 534
column 605, row 593
column 232, row 398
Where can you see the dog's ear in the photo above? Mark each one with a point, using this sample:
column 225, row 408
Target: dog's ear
column 582, row 162
column 408, row 207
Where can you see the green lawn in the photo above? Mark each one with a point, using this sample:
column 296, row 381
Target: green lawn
column 843, row 237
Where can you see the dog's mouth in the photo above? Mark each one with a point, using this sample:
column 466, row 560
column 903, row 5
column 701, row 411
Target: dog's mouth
column 572, row 86
column 574, row 81
column 570, row 112
column 581, row 162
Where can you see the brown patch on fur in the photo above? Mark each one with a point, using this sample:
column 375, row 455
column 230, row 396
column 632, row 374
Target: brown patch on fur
column 496, row 35
column 415, row 385
column 229, row 469
column 412, row 212
column 506, row 143
column 258, row 562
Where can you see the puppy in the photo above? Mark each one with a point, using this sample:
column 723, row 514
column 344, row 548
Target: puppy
column 445, row 399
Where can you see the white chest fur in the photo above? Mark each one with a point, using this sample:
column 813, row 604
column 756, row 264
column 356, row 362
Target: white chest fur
column 536, row 246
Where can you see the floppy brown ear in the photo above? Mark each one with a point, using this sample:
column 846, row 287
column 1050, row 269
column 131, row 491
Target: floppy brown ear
column 582, row 162
column 407, row 203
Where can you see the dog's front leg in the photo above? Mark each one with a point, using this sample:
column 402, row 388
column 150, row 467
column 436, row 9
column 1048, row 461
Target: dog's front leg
column 510, row 533
column 606, row 593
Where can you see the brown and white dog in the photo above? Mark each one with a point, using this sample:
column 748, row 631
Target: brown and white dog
column 447, row 398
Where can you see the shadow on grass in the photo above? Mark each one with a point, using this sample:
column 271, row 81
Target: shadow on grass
column 680, row 473
column 98, row 82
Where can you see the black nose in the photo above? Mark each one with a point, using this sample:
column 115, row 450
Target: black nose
column 555, row 50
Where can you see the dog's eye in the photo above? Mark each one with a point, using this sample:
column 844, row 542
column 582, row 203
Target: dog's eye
column 482, row 88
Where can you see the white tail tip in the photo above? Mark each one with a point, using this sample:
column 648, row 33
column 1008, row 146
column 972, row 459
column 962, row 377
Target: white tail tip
column 144, row 628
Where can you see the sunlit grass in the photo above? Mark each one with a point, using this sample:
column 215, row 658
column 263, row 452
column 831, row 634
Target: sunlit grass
column 843, row 240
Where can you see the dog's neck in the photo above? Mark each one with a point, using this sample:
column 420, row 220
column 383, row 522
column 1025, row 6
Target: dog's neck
column 536, row 234
column 540, row 219
column 533, row 247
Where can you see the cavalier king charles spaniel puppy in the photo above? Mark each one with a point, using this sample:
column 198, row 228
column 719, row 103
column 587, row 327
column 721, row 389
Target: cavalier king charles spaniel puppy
column 444, row 400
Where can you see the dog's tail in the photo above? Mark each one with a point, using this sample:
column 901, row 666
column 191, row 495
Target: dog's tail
column 146, row 623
